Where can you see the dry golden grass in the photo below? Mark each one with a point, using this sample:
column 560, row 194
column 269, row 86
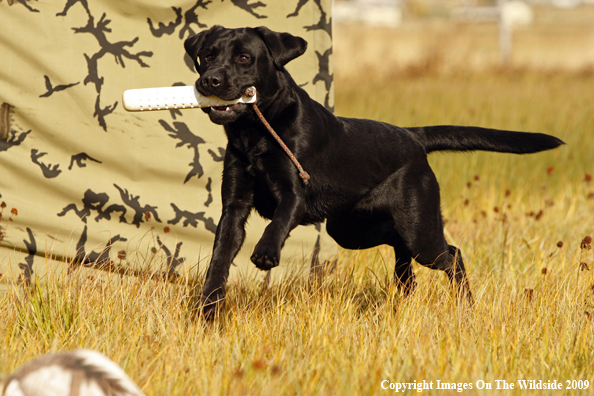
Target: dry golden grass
column 349, row 331
column 343, row 335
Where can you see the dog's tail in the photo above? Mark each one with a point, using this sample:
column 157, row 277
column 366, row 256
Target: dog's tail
column 463, row 138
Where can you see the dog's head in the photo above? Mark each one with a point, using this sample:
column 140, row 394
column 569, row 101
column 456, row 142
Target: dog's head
column 231, row 60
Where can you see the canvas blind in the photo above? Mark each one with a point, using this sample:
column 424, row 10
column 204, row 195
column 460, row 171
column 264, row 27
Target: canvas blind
column 84, row 181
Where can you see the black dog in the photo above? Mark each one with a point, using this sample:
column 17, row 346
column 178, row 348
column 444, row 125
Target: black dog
column 371, row 181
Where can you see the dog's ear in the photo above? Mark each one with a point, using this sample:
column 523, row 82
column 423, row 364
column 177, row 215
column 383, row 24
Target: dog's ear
column 283, row 47
column 194, row 44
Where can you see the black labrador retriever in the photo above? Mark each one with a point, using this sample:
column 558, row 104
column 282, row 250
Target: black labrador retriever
column 370, row 181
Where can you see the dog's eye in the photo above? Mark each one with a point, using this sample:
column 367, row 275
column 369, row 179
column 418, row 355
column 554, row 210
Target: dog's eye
column 244, row 58
column 209, row 58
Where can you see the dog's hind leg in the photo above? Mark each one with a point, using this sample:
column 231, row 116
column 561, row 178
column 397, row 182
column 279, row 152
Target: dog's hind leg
column 411, row 195
column 450, row 261
column 457, row 273
column 403, row 272
column 421, row 226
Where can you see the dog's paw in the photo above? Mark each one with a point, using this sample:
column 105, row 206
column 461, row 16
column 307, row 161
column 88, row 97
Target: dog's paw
column 408, row 287
column 212, row 304
column 265, row 259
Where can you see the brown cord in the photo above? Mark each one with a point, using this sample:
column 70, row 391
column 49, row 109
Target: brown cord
column 302, row 173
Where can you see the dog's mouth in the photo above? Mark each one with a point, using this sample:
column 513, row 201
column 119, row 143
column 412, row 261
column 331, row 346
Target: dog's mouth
column 229, row 108
column 225, row 114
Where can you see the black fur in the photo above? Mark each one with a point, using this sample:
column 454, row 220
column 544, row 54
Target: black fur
column 371, row 181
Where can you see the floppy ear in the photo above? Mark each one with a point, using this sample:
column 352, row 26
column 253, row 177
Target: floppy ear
column 193, row 44
column 283, row 47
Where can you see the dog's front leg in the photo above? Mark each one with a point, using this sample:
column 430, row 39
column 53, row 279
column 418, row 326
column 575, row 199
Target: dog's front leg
column 287, row 216
column 237, row 195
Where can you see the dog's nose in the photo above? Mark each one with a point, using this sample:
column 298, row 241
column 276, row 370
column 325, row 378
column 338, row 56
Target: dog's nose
column 211, row 80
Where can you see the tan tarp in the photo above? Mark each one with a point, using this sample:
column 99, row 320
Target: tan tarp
column 92, row 182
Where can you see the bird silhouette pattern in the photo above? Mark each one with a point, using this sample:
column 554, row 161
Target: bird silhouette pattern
column 51, row 89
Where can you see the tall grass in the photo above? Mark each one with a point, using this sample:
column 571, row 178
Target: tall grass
column 348, row 331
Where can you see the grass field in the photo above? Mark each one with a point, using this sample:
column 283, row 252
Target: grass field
column 520, row 222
